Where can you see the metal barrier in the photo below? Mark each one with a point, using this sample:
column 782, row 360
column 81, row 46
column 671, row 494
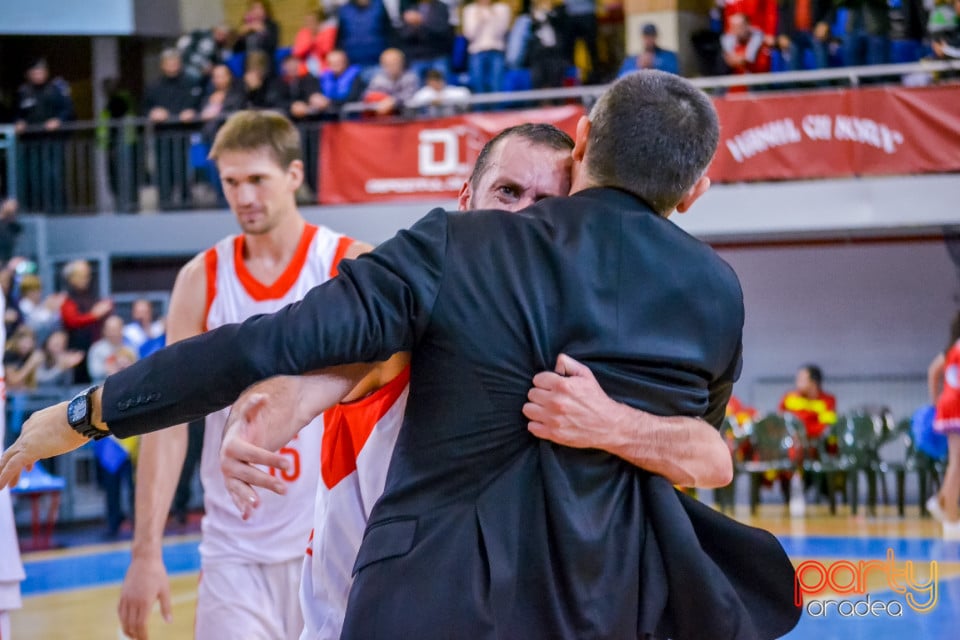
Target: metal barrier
column 135, row 165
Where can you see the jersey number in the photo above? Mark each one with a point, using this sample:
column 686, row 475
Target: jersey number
column 294, row 472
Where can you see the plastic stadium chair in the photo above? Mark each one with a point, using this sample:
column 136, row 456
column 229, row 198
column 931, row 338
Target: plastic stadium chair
column 774, row 447
column 33, row 485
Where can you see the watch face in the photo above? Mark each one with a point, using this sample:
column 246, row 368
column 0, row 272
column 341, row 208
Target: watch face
column 77, row 410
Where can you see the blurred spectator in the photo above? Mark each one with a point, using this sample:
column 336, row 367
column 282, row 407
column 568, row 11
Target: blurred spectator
column 21, row 359
column 39, row 313
column 437, row 98
column 56, row 369
column 298, row 95
column 867, row 37
column 259, row 31
column 109, row 354
column 943, row 27
column 202, row 49
column 815, row 408
column 121, row 144
column 804, row 26
column 740, row 412
column 426, row 36
column 907, row 29
column 224, row 96
column 42, row 101
column 81, row 312
column 582, row 26
column 485, row 26
column 174, row 96
column 142, row 326
column 255, row 84
column 172, row 100
column 341, row 81
column 762, row 14
column 313, row 42
column 363, row 32
column 10, row 229
column 652, row 56
column 545, row 48
column 743, row 47
column 392, row 86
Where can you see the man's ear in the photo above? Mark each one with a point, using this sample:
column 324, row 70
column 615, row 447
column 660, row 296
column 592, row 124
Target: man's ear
column 295, row 173
column 580, row 139
column 463, row 198
column 693, row 194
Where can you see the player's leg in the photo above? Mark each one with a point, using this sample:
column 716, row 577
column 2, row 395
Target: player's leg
column 283, row 580
column 235, row 601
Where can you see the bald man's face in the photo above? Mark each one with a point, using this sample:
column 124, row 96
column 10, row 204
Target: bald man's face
column 519, row 174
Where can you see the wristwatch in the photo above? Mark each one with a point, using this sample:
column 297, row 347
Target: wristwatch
column 78, row 415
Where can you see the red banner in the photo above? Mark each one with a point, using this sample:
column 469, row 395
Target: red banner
column 834, row 134
column 424, row 159
column 822, row 134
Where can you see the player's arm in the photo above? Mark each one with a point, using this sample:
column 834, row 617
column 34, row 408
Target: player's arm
column 935, row 377
column 162, row 454
column 271, row 412
column 569, row 407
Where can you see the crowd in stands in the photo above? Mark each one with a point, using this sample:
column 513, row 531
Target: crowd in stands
column 366, row 49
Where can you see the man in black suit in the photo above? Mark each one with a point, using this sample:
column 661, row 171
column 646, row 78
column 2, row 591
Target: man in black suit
column 483, row 530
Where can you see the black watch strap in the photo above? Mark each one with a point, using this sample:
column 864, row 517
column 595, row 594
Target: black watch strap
column 79, row 412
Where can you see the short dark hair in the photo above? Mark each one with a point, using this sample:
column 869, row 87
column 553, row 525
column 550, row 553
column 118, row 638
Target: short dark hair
column 652, row 134
column 815, row 373
column 536, row 133
column 435, row 74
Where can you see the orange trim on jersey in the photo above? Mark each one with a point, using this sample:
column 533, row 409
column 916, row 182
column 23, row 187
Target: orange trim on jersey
column 310, row 543
column 210, row 262
column 341, row 251
column 259, row 291
column 347, row 426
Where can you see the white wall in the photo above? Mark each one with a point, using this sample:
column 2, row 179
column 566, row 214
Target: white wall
column 86, row 17
column 860, row 311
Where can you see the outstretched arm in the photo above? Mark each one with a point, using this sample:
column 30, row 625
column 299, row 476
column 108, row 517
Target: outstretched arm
column 270, row 413
column 568, row 406
column 379, row 305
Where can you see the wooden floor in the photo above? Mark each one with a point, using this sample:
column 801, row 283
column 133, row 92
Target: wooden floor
column 89, row 612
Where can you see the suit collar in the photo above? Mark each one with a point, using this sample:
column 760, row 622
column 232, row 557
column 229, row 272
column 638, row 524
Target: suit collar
column 613, row 197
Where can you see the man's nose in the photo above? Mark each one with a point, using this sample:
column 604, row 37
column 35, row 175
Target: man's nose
column 246, row 194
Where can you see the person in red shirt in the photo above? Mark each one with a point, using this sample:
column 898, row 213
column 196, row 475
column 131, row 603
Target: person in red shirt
column 815, row 408
column 82, row 313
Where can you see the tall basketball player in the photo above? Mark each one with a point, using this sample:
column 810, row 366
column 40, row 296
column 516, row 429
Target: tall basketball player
column 250, row 570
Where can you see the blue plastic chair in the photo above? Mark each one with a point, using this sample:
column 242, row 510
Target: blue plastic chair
column 34, row 484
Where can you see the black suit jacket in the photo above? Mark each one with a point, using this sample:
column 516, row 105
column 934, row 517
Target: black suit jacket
column 484, row 531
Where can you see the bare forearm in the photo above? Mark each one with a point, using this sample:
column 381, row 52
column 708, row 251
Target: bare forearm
column 935, row 377
column 158, row 472
column 686, row 451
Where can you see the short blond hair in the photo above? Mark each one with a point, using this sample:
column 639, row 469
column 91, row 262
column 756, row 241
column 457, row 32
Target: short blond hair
column 254, row 130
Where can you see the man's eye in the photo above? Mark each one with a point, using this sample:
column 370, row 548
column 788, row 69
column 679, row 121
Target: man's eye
column 508, row 192
column 256, row 179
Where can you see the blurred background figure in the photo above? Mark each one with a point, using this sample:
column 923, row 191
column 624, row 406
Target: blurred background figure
column 82, row 313
column 652, row 56
column 485, row 26
column 945, row 393
column 142, row 326
column 259, row 31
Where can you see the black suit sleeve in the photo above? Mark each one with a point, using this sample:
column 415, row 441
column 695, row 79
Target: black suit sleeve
column 721, row 390
column 379, row 304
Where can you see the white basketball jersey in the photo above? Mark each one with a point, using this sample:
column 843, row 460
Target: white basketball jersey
column 358, row 442
column 277, row 529
column 11, row 569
